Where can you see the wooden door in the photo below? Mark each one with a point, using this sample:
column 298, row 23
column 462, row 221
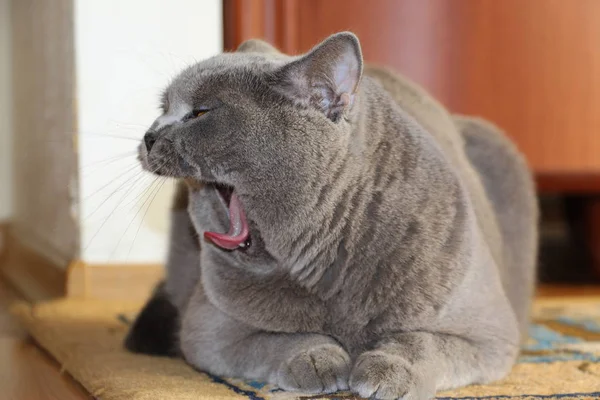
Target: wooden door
column 532, row 67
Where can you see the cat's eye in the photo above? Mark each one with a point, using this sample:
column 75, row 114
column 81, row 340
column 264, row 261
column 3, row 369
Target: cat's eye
column 196, row 113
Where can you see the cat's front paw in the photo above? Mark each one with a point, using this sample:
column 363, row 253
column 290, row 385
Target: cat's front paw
column 321, row 369
column 380, row 375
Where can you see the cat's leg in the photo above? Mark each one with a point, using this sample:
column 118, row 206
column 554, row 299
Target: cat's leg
column 214, row 342
column 415, row 365
column 155, row 330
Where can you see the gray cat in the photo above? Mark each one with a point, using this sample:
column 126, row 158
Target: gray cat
column 355, row 235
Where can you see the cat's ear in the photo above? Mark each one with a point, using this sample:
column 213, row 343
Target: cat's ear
column 327, row 77
column 257, row 46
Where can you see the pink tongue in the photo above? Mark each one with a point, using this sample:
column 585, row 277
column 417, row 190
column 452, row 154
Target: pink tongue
column 238, row 228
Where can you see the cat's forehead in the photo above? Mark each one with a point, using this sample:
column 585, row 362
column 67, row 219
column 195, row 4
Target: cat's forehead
column 223, row 69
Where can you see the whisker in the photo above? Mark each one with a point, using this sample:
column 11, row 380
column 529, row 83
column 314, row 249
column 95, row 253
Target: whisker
column 109, row 160
column 107, row 218
column 145, row 59
column 180, row 59
column 74, row 136
column 119, row 201
column 111, row 136
column 135, row 176
column 100, row 168
column 144, row 216
column 136, row 165
column 139, row 196
column 112, row 194
column 130, row 125
column 112, row 131
column 154, row 185
column 171, row 68
column 109, row 133
column 159, row 167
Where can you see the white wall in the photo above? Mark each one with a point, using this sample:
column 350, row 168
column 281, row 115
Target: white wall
column 126, row 52
column 5, row 112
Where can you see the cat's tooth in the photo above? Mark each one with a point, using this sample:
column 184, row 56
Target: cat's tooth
column 235, row 217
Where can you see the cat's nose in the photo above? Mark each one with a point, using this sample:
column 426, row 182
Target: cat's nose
column 150, row 139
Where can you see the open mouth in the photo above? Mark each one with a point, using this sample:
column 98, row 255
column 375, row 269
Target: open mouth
column 238, row 236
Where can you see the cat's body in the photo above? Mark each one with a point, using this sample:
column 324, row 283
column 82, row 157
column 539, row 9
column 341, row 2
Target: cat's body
column 393, row 245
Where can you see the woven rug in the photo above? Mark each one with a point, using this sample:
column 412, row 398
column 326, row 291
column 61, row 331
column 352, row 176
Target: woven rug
column 560, row 361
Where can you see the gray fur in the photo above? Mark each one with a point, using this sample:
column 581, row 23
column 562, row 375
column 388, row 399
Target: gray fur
column 393, row 245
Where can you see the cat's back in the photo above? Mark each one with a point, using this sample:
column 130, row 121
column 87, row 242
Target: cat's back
column 415, row 101
column 439, row 123
column 495, row 175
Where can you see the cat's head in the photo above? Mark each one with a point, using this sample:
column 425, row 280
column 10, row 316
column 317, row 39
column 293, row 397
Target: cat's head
column 258, row 125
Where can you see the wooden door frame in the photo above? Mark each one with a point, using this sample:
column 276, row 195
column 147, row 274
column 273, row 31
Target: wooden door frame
column 275, row 21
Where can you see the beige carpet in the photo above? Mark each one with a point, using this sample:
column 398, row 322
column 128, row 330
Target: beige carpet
column 560, row 361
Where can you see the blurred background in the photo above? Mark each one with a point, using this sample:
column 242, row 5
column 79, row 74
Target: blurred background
column 80, row 80
column 532, row 67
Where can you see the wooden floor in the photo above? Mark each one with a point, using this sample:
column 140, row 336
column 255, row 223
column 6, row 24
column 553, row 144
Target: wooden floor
column 26, row 371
